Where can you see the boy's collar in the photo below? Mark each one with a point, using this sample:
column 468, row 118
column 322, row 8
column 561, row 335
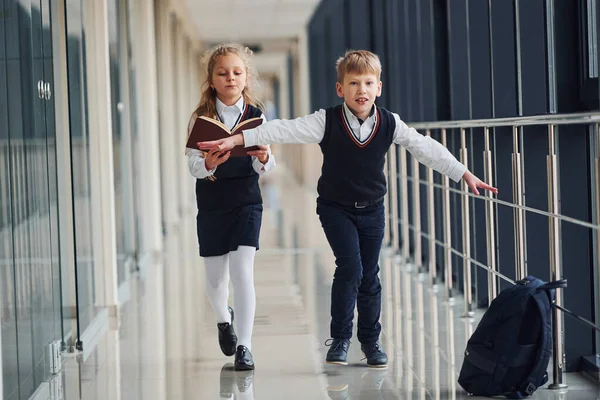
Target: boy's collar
column 350, row 115
column 239, row 105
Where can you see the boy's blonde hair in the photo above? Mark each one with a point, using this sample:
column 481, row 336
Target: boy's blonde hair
column 208, row 102
column 358, row 62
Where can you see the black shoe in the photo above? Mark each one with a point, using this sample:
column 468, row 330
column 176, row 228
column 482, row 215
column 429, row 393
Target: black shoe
column 243, row 359
column 226, row 381
column 227, row 337
column 375, row 355
column 338, row 351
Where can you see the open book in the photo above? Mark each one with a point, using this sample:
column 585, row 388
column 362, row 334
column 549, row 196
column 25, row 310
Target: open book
column 206, row 129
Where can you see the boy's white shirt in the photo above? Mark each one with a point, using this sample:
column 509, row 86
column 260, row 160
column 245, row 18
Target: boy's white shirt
column 311, row 129
column 229, row 116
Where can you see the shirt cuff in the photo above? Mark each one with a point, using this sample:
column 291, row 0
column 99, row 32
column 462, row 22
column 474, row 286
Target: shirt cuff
column 250, row 138
column 196, row 164
column 270, row 164
column 261, row 168
column 457, row 172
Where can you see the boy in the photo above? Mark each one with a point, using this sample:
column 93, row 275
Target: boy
column 354, row 138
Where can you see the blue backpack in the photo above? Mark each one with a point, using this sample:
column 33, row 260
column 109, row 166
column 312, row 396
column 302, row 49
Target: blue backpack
column 508, row 353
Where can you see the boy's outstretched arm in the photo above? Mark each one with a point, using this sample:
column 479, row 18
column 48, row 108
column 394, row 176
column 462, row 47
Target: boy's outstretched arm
column 434, row 155
column 227, row 143
column 307, row 129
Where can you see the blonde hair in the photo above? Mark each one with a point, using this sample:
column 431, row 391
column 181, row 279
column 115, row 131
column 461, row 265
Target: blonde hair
column 358, row 62
column 208, row 100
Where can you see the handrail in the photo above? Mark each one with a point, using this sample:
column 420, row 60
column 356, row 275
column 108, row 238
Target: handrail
column 578, row 318
column 561, row 217
column 549, row 119
column 399, row 177
column 459, row 254
column 498, row 274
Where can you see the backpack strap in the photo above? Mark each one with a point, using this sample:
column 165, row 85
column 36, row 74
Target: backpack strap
column 533, row 381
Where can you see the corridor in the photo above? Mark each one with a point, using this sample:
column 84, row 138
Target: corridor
column 102, row 290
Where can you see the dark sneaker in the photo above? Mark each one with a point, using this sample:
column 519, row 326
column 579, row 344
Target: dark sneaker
column 227, row 337
column 227, row 380
column 338, row 351
column 375, row 355
column 243, row 359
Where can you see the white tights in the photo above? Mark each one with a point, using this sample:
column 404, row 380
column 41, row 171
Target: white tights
column 240, row 265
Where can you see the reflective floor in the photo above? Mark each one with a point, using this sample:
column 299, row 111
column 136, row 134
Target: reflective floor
column 163, row 346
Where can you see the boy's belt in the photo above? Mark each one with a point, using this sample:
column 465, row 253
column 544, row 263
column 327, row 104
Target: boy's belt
column 363, row 204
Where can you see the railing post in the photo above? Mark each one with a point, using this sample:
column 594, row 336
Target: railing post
column 387, row 237
column 431, row 224
column 393, row 168
column 596, row 187
column 466, row 230
column 447, row 231
column 519, row 214
column 555, row 264
column 490, row 222
column 416, row 178
column 405, row 218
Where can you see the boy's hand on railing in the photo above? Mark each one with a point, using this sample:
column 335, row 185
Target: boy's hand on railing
column 474, row 182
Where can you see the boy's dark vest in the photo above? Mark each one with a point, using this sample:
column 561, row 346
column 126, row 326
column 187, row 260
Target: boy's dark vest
column 353, row 171
column 236, row 181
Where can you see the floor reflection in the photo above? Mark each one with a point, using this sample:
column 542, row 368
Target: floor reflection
column 236, row 384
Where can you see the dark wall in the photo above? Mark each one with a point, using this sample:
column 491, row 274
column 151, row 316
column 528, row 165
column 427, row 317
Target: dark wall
column 472, row 59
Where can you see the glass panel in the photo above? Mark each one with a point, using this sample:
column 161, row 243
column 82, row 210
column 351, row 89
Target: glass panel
column 117, row 24
column 40, row 280
column 80, row 152
column 52, row 253
column 133, row 121
column 21, row 125
column 27, row 278
column 9, row 61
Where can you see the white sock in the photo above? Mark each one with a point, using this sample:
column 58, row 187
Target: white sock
column 241, row 268
column 217, row 285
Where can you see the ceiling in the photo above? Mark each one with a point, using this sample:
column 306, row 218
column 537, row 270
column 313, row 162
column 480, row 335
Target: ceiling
column 250, row 21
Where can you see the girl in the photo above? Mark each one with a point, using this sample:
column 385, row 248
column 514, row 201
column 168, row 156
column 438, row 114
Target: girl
column 229, row 199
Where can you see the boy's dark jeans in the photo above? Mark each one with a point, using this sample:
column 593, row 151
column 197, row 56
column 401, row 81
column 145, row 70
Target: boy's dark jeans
column 355, row 236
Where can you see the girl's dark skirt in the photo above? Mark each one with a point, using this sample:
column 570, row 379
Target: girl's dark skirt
column 222, row 231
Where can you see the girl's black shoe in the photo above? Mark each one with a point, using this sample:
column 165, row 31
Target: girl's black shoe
column 227, row 337
column 243, row 359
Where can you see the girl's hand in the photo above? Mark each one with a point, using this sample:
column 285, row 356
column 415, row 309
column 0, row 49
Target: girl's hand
column 474, row 182
column 262, row 154
column 215, row 157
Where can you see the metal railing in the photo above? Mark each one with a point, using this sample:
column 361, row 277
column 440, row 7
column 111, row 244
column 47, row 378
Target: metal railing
column 400, row 227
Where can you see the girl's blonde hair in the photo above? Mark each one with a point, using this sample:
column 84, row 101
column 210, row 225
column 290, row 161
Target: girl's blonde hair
column 208, row 101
